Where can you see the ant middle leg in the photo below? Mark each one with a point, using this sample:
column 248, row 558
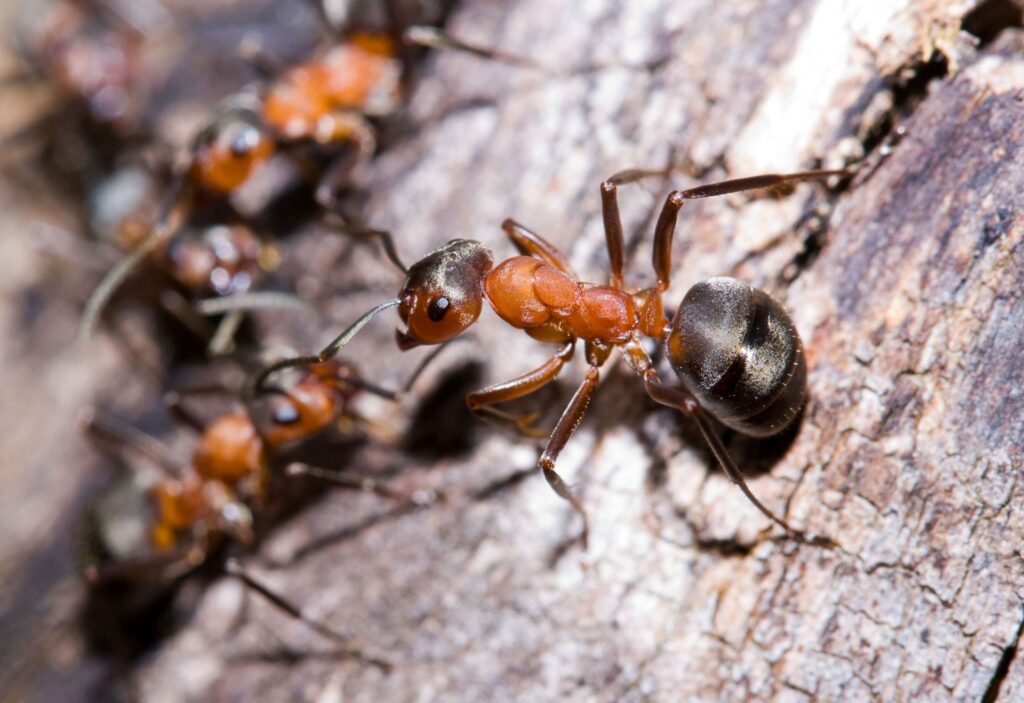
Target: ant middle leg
column 565, row 428
column 614, row 238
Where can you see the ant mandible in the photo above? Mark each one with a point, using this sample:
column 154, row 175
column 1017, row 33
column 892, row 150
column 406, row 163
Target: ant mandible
column 186, row 514
column 735, row 349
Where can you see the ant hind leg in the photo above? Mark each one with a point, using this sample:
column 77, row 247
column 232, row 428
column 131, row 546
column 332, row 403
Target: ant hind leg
column 347, row 646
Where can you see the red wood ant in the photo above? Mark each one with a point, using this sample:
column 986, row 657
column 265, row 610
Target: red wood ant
column 90, row 53
column 735, row 349
column 325, row 100
column 216, row 255
column 177, row 520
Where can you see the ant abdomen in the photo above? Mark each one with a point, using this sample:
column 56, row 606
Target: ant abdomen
column 737, row 351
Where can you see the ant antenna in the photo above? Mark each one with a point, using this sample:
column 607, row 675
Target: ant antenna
column 117, row 275
column 257, row 384
column 257, row 300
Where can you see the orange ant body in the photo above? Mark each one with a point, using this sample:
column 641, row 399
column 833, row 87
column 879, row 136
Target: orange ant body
column 325, row 100
column 734, row 348
column 204, row 259
column 228, row 474
column 148, row 535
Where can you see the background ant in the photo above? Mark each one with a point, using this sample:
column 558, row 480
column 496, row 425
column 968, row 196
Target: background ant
column 323, row 101
column 735, row 349
column 144, row 534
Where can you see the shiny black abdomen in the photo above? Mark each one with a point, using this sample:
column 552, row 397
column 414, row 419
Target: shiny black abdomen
column 737, row 351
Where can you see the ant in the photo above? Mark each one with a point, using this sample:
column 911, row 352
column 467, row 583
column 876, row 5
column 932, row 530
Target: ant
column 735, row 350
column 324, row 101
column 90, row 53
column 216, row 252
column 178, row 520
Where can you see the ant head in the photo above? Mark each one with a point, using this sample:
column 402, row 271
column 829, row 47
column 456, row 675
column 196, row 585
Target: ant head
column 230, row 148
column 221, row 259
column 443, row 293
column 308, row 407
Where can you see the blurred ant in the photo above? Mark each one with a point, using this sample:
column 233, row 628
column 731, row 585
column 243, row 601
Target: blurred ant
column 153, row 533
column 88, row 51
column 215, row 252
column 735, row 349
column 324, row 101
column 90, row 54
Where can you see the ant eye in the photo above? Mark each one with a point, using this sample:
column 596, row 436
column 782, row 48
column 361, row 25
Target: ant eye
column 244, row 142
column 286, row 414
column 438, row 308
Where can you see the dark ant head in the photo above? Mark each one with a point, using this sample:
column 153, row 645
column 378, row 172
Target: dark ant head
column 443, row 293
column 219, row 259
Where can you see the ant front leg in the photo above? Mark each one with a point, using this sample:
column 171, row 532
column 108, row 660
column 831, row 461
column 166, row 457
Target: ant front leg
column 530, row 382
column 529, row 243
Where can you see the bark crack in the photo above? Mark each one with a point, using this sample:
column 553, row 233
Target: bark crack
column 1003, row 668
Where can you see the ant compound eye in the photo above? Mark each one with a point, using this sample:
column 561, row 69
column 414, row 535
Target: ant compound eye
column 438, row 308
column 286, row 414
column 244, row 142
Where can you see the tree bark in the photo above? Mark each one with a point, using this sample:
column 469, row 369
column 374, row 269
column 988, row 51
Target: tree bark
column 904, row 283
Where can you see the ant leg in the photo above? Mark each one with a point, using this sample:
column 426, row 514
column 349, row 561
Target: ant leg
column 388, row 394
column 567, row 424
column 417, row 499
column 529, row 243
column 251, row 51
column 349, row 129
column 107, row 428
column 675, row 398
column 347, row 647
column 255, row 300
column 345, row 226
column 179, row 308
column 437, row 39
column 666, row 226
column 479, row 401
column 172, row 211
column 223, row 340
column 182, row 413
column 161, row 568
column 614, row 238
